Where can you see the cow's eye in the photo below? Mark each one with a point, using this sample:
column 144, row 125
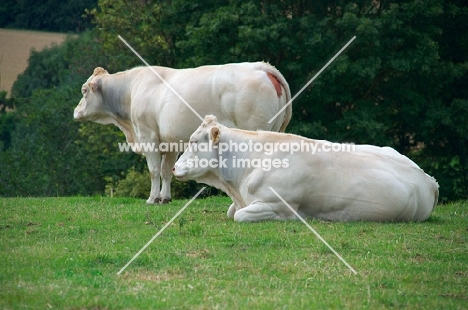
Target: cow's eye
column 84, row 91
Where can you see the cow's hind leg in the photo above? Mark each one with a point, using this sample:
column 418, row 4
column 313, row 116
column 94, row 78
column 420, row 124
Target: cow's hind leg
column 257, row 211
column 168, row 162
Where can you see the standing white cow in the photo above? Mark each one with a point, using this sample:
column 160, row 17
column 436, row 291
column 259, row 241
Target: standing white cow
column 317, row 178
column 243, row 95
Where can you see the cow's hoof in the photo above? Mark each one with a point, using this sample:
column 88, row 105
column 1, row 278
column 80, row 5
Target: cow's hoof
column 153, row 201
column 166, row 200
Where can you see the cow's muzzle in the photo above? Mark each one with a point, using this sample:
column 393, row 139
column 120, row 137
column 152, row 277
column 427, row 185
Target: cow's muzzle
column 178, row 174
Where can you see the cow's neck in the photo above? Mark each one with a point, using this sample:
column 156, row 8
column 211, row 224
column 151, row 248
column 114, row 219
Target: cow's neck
column 230, row 189
column 116, row 97
column 231, row 177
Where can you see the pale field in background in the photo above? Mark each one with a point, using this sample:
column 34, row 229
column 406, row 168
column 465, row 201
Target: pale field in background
column 15, row 48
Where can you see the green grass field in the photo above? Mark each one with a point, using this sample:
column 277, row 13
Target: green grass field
column 64, row 253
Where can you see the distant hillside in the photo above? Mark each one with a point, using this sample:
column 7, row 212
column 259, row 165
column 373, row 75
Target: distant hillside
column 15, row 47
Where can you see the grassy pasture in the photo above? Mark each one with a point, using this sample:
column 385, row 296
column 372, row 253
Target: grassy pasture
column 64, row 253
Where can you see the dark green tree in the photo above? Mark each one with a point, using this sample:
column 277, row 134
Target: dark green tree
column 51, row 155
column 44, row 158
column 49, row 15
column 6, row 120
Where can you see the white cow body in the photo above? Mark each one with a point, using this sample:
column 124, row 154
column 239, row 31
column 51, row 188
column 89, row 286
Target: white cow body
column 368, row 183
column 245, row 95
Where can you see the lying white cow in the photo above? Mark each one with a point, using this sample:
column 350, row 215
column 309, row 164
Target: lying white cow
column 244, row 95
column 317, row 178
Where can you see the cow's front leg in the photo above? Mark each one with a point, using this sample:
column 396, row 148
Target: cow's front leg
column 153, row 159
column 231, row 211
column 168, row 161
column 261, row 211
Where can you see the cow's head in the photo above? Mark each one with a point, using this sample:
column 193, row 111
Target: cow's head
column 201, row 156
column 91, row 106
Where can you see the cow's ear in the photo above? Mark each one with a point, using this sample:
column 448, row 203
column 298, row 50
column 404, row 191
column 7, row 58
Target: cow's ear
column 99, row 70
column 95, row 86
column 215, row 135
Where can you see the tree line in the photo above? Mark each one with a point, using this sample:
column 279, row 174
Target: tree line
column 46, row 15
column 401, row 83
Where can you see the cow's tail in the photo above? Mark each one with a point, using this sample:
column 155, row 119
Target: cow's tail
column 433, row 196
column 436, row 193
column 274, row 73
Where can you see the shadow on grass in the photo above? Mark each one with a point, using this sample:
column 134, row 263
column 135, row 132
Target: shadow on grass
column 433, row 219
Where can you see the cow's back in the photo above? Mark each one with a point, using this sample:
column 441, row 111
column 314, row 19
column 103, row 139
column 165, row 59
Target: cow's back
column 247, row 97
column 239, row 95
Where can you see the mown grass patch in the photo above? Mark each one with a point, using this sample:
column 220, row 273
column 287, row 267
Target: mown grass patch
column 65, row 253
